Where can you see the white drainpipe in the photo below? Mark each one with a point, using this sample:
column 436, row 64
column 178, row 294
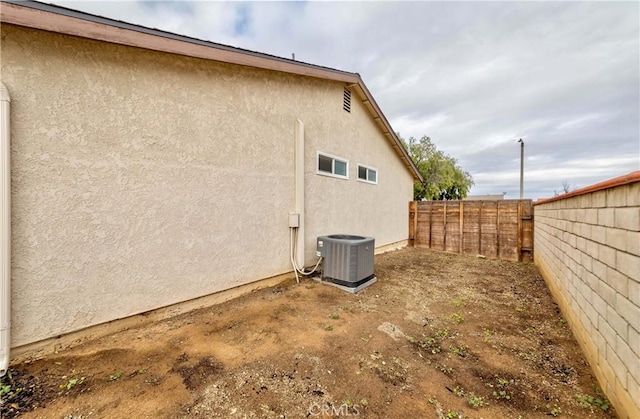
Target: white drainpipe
column 5, row 225
column 299, row 194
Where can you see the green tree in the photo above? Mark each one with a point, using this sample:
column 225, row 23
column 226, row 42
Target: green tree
column 443, row 178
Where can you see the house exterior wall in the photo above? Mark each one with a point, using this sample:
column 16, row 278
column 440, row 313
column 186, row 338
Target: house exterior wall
column 143, row 179
column 588, row 249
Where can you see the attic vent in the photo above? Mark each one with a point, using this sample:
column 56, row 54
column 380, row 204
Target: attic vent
column 346, row 104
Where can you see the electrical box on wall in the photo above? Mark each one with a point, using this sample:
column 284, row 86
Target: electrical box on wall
column 294, row 220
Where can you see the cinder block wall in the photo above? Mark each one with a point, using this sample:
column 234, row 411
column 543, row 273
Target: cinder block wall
column 588, row 249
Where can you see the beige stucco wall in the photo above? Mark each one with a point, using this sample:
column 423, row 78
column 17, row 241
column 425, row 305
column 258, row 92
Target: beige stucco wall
column 142, row 179
column 588, row 249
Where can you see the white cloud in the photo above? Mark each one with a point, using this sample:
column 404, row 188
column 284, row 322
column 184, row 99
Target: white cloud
column 473, row 76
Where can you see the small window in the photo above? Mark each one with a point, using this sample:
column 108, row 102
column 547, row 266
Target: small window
column 329, row 165
column 367, row 174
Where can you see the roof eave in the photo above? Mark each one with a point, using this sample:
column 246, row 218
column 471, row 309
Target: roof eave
column 371, row 104
column 57, row 19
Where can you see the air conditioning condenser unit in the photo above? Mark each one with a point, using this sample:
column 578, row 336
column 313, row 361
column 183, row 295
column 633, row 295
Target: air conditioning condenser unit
column 347, row 261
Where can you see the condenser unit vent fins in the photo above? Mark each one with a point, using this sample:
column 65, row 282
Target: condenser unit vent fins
column 348, row 260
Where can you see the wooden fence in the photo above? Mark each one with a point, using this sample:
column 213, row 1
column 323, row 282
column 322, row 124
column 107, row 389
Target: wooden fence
column 495, row 229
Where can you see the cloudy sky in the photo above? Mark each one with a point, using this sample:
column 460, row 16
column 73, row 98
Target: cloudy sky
column 473, row 76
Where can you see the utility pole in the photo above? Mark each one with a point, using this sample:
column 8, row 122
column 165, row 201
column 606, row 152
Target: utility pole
column 521, row 168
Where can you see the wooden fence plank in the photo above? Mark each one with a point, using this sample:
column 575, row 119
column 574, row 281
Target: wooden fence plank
column 498, row 229
column 461, row 227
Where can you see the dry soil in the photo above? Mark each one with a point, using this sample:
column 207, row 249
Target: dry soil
column 439, row 335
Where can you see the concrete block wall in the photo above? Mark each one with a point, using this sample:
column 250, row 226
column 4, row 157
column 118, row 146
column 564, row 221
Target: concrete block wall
column 588, row 249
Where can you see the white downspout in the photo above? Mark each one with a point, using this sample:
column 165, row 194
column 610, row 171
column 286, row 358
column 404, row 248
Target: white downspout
column 299, row 179
column 5, row 226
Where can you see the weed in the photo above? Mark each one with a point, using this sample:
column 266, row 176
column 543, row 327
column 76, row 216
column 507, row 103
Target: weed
column 458, row 350
column 590, row 401
column 555, row 411
column 5, row 389
column 520, row 309
column 116, row 376
column 310, row 286
column 427, row 342
column 528, row 356
column 501, row 391
column 476, row 401
column 501, row 394
column 8, row 390
column 334, row 316
column 458, row 301
column 442, row 333
column 71, row 382
column 136, row 372
column 452, row 414
column 486, row 333
column 457, row 318
column 458, row 391
column 445, row 369
column 328, row 328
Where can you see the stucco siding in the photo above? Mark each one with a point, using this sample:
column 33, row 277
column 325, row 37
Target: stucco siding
column 350, row 206
column 142, row 179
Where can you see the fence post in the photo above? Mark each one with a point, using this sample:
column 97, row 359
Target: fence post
column 480, row 228
column 520, row 230
column 461, row 226
column 444, row 226
column 430, row 224
column 498, row 229
column 413, row 222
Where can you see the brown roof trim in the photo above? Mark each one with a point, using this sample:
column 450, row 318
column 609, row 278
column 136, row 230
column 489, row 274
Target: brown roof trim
column 70, row 22
column 607, row 184
column 58, row 19
column 378, row 116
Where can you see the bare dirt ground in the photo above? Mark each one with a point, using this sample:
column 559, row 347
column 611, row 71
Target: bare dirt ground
column 439, row 335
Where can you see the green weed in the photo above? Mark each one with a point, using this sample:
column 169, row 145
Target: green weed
column 554, row 411
column 458, row 301
column 458, row 391
column 476, row 401
column 458, row 350
column 501, row 391
column 590, row 401
column 457, row 318
column 116, row 376
column 71, row 382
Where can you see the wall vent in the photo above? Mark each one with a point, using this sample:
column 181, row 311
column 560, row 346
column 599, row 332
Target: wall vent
column 346, row 104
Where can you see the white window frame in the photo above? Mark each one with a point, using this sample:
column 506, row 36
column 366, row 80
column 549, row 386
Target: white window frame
column 368, row 168
column 333, row 165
